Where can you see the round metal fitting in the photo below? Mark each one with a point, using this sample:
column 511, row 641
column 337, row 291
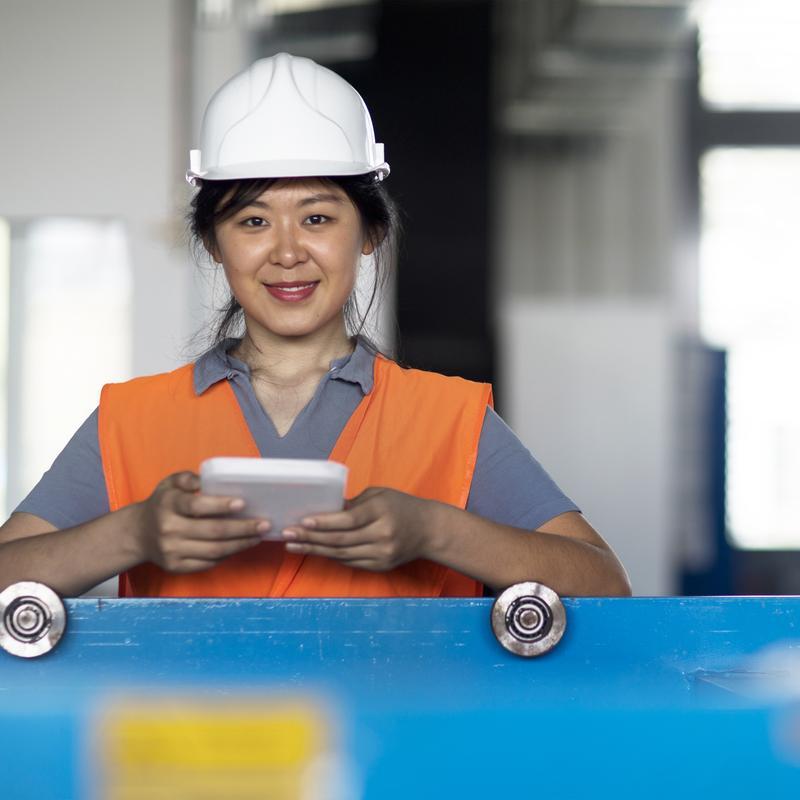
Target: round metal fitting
column 528, row 619
column 32, row 619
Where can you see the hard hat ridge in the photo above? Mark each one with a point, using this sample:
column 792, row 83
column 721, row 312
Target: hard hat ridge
column 286, row 116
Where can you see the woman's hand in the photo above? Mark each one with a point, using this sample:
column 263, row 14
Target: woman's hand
column 182, row 530
column 378, row 530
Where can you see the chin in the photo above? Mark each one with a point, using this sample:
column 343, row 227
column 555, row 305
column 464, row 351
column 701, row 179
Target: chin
column 284, row 326
column 292, row 331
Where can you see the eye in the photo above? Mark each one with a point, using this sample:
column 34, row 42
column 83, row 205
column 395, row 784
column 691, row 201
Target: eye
column 317, row 219
column 253, row 222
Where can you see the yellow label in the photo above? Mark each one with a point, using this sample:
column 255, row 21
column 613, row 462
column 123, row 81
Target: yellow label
column 210, row 749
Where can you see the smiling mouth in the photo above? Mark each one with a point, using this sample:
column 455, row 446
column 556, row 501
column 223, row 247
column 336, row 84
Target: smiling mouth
column 292, row 291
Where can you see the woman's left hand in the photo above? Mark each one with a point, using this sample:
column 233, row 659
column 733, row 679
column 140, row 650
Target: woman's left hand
column 379, row 530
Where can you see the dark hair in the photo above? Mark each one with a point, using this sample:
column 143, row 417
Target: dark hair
column 217, row 201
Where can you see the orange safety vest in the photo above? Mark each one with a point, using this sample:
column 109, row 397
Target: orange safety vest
column 415, row 431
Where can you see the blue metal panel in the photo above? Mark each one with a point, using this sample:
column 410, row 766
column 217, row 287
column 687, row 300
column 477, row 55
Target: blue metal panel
column 629, row 702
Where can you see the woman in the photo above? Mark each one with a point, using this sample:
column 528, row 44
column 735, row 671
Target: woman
column 444, row 498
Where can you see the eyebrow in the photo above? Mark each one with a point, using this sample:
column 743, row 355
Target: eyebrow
column 322, row 197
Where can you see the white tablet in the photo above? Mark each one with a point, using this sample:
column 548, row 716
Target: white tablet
column 282, row 490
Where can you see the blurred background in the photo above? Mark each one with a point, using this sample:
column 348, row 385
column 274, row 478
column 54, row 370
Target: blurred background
column 601, row 202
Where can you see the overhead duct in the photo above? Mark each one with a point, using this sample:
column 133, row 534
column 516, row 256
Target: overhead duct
column 579, row 83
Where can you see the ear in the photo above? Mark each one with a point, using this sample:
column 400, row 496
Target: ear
column 212, row 250
column 373, row 240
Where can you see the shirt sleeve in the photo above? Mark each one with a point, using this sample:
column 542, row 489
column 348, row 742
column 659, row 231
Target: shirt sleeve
column 73, row 490
column 509, row 486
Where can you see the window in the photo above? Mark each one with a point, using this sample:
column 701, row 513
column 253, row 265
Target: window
column 749, row 56
column 69, row 332
column 749, row 297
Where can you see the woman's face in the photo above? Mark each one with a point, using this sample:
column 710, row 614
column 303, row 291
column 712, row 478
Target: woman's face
column 291, row 257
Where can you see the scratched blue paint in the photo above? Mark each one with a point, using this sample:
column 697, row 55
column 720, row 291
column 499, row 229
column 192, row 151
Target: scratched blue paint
column 431, row 704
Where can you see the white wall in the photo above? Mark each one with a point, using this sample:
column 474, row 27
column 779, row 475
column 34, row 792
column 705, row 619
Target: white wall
column 90, row 114
column 589, row 393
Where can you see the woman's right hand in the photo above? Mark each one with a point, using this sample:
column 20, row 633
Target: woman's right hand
column 182, row 530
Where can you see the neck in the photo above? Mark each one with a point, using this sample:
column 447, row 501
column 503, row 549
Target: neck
column 290, row 360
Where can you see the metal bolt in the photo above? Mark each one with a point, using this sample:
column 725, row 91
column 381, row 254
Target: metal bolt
column 32, row 619
column 27, row 618
column 528, row 619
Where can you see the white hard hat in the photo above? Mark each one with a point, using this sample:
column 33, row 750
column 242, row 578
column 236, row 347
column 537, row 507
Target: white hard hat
column 286, row 117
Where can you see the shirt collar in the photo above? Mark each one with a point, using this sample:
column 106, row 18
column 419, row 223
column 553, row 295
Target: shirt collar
column 217, row 363
column 358, row 367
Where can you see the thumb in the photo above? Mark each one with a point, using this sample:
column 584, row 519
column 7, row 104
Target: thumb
column 364, row 496
column 188, row 481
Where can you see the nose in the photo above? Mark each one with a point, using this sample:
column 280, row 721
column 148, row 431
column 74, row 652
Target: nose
column 287, row 249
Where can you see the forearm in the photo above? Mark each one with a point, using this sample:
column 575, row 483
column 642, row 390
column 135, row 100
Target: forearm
column 500, row 555
column 73, row 560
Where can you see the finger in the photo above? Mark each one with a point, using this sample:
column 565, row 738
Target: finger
column 365, row 563
column 345, row 554
column 194, row 565
column 349, row 538
column 216, row 550
column 221, row 529
column 340, row 520
column 207, row 505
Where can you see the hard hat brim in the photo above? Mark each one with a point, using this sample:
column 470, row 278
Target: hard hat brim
column 287, row 169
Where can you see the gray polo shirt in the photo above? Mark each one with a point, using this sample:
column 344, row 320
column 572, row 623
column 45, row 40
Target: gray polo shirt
column 509, row 486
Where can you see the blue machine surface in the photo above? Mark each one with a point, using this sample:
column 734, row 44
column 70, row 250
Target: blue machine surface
column 642, row 698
